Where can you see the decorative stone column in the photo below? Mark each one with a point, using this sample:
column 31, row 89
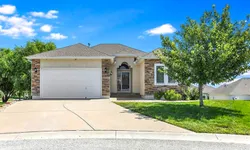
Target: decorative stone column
column 106, row 67
column 35, row 78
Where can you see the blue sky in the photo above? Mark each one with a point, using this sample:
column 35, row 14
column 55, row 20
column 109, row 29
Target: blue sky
column 136, row 23
column 110, row 21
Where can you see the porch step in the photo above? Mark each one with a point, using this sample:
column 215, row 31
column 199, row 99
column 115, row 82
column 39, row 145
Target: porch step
column 126, row 95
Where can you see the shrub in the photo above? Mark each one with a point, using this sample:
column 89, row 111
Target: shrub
column 172, row 95
column 190, row 93
column 185, row 93
column 158, row 95
column 194, row 95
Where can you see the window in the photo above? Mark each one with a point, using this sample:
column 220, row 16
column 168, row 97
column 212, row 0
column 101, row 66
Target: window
column 161, row 78
column 159, row 74
column 124, row 65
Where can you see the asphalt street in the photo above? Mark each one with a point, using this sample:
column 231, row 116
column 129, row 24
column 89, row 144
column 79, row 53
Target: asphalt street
column 116, row 144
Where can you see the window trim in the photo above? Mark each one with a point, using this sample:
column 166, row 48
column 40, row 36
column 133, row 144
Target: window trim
column 165, row 76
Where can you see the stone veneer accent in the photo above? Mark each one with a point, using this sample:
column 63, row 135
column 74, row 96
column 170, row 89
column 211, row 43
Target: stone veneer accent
column 106, row 63
column 35, row 78
column 150, row 87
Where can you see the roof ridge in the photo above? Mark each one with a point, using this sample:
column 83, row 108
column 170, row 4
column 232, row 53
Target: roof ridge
column 123, row 49
column 100, row 51
column 132, row 48
column 95, row 49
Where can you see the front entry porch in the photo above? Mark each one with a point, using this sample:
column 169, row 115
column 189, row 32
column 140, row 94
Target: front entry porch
column 124, row 83
column 124, row 79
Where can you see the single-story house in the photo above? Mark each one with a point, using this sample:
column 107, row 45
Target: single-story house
column 80, row 71
column 206, row 91
column 239, row 89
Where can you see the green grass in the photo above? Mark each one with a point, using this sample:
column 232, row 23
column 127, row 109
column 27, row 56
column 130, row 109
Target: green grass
column 230, row 117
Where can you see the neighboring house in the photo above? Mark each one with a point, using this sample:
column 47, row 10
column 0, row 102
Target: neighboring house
column 79, row 71
column 237, row 90
column 206, row 91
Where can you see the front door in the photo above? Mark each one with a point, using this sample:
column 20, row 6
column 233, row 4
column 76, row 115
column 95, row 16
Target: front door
column 123, row 81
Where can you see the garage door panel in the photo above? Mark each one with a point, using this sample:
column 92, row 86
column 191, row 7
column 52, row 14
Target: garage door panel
column 71, row 83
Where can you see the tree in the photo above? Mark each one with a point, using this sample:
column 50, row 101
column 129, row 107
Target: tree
column 7, row 63
column 23, row 69
column 212, row 50
column 15, row 69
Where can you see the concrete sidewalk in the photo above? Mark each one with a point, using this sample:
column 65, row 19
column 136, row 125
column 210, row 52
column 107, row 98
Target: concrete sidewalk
column 203, row 137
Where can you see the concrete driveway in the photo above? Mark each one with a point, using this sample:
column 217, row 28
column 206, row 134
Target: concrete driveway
column 59, row 115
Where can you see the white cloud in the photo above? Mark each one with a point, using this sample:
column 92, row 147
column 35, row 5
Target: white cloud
column 163, row 29
column 73, row 37
column 52, row 14
column 140, row 37
column 3, row 18
column 7, row 9
column 80, row 26
column 16, row 26
column 46, row 28
column 56, row 36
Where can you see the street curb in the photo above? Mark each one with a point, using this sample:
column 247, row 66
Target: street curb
column 202, row 137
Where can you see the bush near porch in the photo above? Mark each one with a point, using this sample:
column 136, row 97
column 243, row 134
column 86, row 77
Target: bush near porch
column 225, row 116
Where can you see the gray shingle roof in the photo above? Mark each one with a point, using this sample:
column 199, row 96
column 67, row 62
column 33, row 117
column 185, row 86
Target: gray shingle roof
column 118, row 49
column 77, row 50
column 207, row 89
column 150, row 55
column 240, row 87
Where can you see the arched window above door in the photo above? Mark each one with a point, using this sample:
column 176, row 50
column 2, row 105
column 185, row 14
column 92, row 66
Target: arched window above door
column 124, row 65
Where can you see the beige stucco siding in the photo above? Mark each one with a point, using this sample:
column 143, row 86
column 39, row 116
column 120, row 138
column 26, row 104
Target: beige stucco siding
column 135, row 74
column 71, row 63
column 142, row 78
column 113, row 79
column 136, row 79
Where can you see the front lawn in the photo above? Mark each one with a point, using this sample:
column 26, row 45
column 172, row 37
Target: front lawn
column 231, row 117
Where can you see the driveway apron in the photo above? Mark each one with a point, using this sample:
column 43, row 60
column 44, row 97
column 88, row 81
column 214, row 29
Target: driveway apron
column 60, row 115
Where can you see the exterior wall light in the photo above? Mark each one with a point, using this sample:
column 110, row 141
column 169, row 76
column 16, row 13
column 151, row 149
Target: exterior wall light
column 35, row 69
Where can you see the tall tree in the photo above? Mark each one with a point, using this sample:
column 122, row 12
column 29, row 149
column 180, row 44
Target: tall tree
column 15, row 69
column 23, row 74
column 7, row 71
column 212, row 50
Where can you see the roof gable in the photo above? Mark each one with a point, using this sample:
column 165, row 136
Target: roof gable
column 151, row 55
column 207, row 89
column 240, row 87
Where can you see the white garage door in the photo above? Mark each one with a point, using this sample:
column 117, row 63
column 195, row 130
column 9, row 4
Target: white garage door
column 71, row 83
